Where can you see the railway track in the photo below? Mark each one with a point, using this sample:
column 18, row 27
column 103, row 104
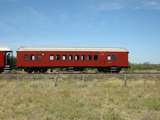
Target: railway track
column 83, row 73
column 56, row 78
column 61, row 73
column 79, row 76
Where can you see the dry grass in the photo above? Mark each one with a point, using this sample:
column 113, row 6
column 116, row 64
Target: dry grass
column 80, row 100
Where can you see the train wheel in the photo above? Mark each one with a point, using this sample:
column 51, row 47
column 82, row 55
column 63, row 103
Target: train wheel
column 99, row 69
column 103, row 70
column 115, row 70
column 78, row 69
column 1, row 70
column 36, row 70
column 28, row 70
column 43, row 70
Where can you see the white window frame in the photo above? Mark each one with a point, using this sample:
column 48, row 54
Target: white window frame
column 82, row 57
column 109, row 57
column 70, row 57
column 51, row 57
column 76, row 58
column 64, row 57
column 33, row 57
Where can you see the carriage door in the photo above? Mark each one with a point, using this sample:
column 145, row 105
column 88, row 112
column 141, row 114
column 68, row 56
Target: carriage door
column 8, row 58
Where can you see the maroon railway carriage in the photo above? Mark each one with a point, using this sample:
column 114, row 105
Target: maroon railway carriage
column 5, row 59
column 41, row 59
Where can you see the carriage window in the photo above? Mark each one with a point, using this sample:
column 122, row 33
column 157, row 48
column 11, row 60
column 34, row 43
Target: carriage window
column 108, row 57
column 89, row 57
column 64, row 57
column 51, row 57
column 70, row 57
column 111, row 57
column 57, row 57
column 27, row 58
column 82, row 57
column 95, row 57
column 76, row 57
column 33, row 58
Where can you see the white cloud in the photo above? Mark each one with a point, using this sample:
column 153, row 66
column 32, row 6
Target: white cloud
column 151, row 4
column 128, row 4
column 12, row 1
column 110, row 6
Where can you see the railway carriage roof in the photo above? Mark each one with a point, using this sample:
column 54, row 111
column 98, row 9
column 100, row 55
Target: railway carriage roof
column 5, row 49
column 75, row 49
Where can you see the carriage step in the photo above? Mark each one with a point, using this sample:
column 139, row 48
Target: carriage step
column 7, row 68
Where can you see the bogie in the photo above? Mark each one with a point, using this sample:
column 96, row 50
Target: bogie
column 43, row 70
column 28, row 70
column 109, row 70
column 36, row 70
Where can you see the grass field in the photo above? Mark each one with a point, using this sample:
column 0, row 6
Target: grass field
column 105, row 99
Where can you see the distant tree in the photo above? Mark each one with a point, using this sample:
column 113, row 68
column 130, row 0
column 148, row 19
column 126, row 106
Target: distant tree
column 146, row 63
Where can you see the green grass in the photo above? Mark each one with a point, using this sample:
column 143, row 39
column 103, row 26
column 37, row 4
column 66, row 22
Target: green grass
column 144, row 67
column 80, row 100
column 152, row 103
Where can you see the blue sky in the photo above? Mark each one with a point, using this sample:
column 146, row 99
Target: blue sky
column 131, row 24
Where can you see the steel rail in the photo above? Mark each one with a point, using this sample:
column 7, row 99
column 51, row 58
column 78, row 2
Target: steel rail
column 128, row 73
